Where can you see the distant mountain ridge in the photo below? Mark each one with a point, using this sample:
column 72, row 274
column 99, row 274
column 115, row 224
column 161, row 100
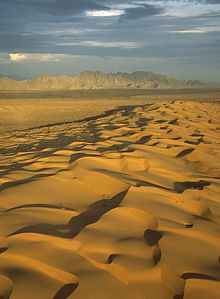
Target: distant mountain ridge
column 97, row 80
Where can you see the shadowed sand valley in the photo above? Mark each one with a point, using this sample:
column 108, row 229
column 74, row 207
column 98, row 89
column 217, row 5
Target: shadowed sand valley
column 125, row 205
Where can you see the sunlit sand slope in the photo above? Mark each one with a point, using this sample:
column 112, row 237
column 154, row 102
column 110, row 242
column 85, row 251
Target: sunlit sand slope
column 122, row 206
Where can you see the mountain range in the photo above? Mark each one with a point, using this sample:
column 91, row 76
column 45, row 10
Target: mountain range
column 97, row 80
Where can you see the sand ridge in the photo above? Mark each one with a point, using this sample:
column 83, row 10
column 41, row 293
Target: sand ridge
column 120, row 206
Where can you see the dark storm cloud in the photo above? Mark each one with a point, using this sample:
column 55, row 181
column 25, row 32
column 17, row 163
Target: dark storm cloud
column 213, row 1
column 21, row 11
column 142, row 11
column 159, row 30
column 26, row 11
column 66, row 7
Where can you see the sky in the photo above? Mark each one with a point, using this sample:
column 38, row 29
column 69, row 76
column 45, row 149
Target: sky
column 54, row 37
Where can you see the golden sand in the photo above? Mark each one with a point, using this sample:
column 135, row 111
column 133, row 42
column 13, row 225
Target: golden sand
column 125, row 206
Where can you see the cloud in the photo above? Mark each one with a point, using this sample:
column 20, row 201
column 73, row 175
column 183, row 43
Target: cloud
column 190, row 31
column 105, row 13
column 104, row 44
column 18, row 57
column 187, row 8
column 66, row 7
column 142, row 11
column 213, row 1
column 50, row 57
column 197, row 30
column 44, row 35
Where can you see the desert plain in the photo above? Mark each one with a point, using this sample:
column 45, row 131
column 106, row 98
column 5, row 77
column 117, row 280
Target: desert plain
column 107, row 197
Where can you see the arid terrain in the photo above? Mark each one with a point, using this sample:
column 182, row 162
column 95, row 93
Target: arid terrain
column 95, row 80
column 111, row 197
column 25, row 110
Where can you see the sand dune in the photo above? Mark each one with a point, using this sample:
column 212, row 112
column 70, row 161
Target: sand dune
column 126, row 205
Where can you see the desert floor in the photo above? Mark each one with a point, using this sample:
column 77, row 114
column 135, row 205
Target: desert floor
column 125, row 205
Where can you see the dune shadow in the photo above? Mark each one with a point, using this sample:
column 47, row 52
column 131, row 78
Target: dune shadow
column 180, row 187
column 185, row 152
column 197, row 276
column 152, row 236
column 66, row 291
column 77, row 223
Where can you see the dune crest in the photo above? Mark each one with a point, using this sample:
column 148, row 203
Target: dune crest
column 121, row 206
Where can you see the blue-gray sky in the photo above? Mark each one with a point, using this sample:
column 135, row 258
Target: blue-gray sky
column 177, row 38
